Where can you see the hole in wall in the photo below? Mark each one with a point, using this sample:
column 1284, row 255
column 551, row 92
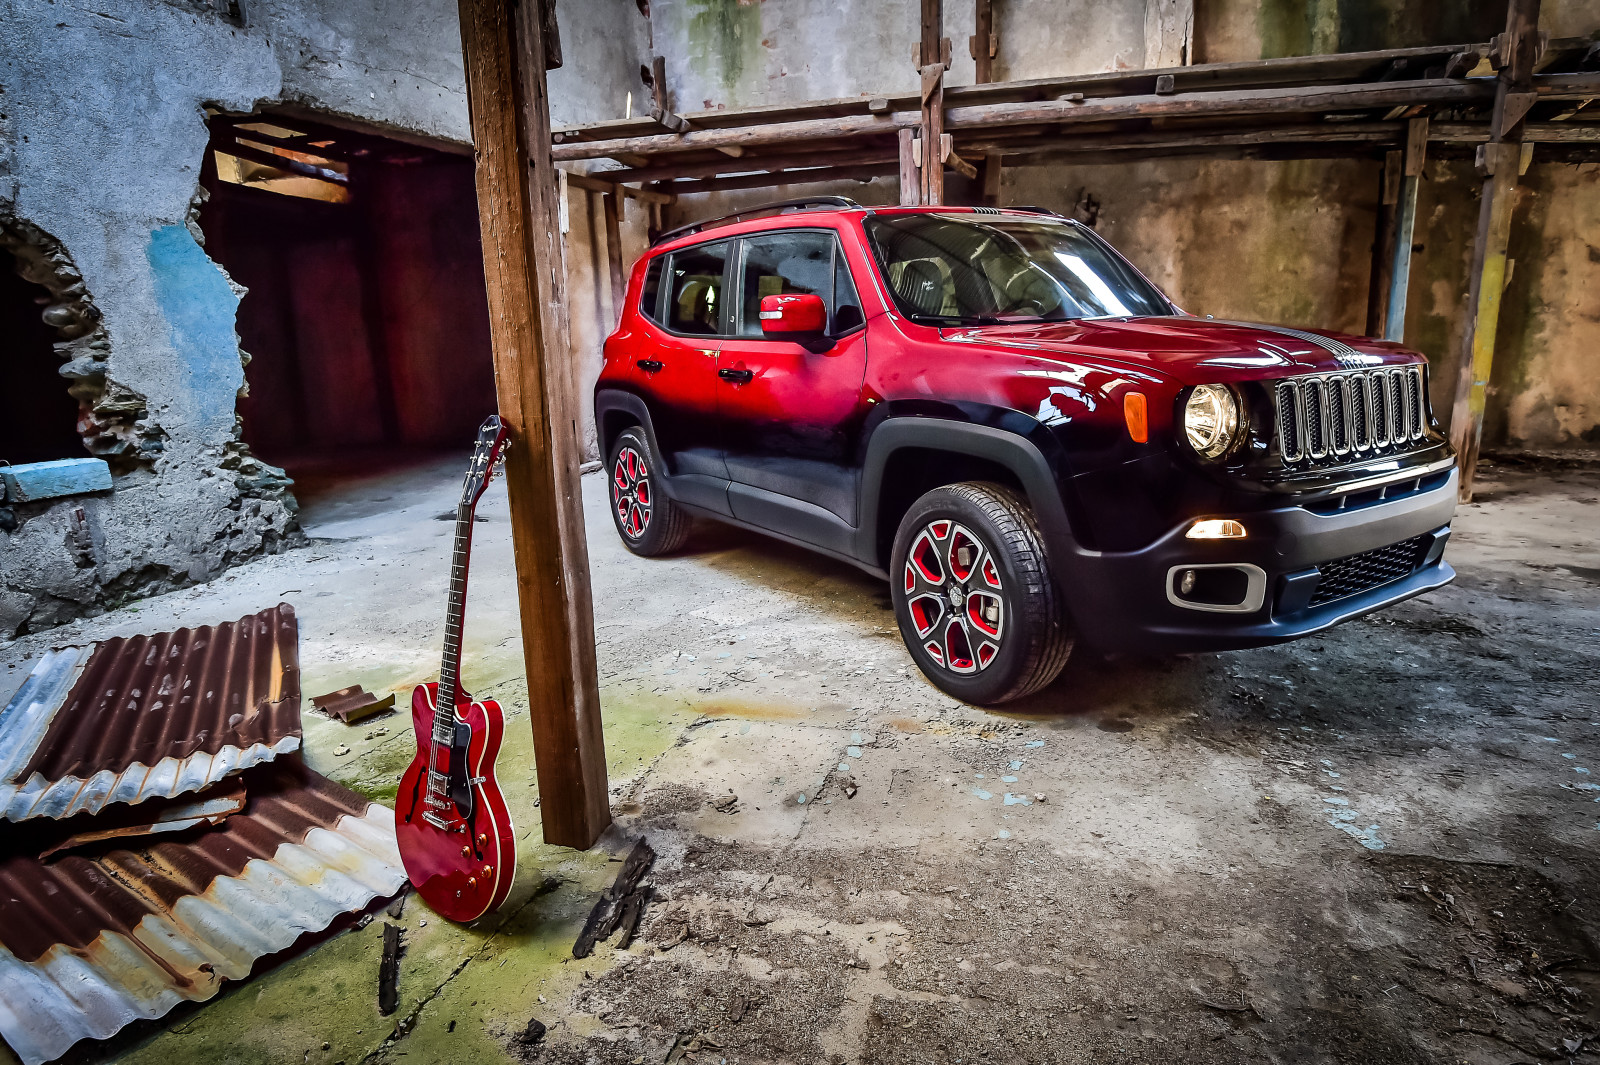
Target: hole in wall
column 366, row 320
column 38, row 417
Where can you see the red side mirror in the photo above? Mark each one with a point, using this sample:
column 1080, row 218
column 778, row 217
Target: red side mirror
column 798, row 313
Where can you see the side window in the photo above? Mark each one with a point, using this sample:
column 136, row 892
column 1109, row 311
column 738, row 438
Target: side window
column 694, row 298
column 847, row 313
column 775, row 264
column 650, row 298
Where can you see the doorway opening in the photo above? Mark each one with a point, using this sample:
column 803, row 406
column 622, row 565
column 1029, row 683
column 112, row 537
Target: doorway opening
column 366, row 319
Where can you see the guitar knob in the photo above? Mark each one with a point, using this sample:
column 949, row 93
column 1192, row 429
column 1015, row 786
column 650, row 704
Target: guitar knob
column 483, row 839
column 466, row 852
column 488, row 871
column 472, row 881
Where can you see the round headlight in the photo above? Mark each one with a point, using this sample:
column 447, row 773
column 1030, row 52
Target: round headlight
column 1211, row 420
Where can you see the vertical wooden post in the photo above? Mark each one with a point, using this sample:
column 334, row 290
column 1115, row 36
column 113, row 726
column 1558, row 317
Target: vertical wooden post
column 1378, row 283
column 611, row 205
column 933, row 59
column 503, row 45
column 910, row 173
column 991, row 179
column 1405, row 228
column 984, row 45
column 1515, row 51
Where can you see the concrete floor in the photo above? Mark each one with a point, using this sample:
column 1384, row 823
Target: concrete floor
column 1378, row 845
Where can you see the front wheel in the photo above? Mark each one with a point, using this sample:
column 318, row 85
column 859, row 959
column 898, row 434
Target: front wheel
column 974, row 596
column 648, row 522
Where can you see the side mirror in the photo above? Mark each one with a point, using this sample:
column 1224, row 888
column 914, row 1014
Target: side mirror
column 798, row 316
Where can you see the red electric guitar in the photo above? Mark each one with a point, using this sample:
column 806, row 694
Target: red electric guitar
column 451, row 819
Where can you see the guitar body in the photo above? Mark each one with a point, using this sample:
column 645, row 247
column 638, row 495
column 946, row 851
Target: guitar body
column 464, row 869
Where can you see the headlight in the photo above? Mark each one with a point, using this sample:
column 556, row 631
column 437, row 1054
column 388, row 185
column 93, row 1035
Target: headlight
column 1211, row 420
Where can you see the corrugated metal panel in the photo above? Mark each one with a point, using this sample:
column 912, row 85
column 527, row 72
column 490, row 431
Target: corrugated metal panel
column 141, row 717
column 96, row 940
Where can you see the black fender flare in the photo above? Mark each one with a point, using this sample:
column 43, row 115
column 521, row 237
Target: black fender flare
column 609, row 400
column 1004, row 447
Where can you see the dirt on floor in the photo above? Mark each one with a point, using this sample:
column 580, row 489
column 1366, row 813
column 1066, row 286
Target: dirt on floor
column 1381, row 844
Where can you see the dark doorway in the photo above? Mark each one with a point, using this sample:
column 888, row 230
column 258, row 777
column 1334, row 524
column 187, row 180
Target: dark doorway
column 366, row 318
column 38, row 419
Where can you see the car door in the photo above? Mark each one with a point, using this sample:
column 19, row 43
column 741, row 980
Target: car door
column 679, row 376
column 792, row 412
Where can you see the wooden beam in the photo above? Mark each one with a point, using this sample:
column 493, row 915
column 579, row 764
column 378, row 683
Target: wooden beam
column 933, row 60
column 1405, row 230
column 1501, row 158
column 1230, row 102
column 985, row 44
column 590, row 183
column 910, row 177
column 1383, row 238
column 667, row 171
column 809, row 176
column 535, row 379
column 992, row 162
column 611, row 207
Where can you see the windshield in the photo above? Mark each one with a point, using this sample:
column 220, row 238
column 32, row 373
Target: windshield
column 980, row 268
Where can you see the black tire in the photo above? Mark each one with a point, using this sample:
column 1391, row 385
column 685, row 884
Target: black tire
column 650, row 524
column 1030, row 638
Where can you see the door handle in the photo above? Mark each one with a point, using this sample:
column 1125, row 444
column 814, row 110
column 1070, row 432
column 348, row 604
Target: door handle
column 649, row 365
column 738, row 377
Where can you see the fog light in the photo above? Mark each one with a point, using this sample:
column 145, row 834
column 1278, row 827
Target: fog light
column 1186, row 582
column 1216, row 529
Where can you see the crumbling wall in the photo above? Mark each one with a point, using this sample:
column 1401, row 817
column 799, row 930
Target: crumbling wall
column 103, row 131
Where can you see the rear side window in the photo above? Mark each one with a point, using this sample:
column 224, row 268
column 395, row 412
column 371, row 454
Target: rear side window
column 694, row 293
column 650, row 298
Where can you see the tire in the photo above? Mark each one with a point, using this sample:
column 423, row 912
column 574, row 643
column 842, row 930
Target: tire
column 648, row 521
column 1010, row 637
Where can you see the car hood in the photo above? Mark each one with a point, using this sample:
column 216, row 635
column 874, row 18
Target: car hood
column 1192, row 350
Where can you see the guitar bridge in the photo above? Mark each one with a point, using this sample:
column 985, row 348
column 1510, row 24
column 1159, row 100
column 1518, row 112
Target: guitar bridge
column 438, row 822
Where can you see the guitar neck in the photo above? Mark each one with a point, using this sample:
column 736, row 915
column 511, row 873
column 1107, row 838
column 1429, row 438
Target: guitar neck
column 455, row 614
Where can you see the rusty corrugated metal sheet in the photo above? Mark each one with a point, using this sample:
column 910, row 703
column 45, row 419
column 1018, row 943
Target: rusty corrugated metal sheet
column 142, row 717
column 100, row 938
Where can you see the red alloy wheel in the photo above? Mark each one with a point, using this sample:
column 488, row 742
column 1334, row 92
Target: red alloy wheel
column 631, row 494
column 954, row 595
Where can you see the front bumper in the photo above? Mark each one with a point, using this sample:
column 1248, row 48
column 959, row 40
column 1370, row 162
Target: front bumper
column 1123, row 601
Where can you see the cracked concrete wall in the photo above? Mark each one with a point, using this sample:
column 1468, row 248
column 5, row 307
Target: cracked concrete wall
column 102, row 135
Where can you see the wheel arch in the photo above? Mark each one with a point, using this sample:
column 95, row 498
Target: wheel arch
column 907, row 457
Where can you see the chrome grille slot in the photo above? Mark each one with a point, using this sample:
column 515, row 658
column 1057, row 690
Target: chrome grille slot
column 1326, row 418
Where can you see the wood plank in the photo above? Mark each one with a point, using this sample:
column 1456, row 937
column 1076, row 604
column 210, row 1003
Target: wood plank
column 1383, row 237
column 910, row 178
column 806, row 176
column 1233, row 102
column 535, row 378
column 933, row 64
column 984, row 44
column 1501, row 157
column 1405, row 231
column 611, row 208
column 749, row 163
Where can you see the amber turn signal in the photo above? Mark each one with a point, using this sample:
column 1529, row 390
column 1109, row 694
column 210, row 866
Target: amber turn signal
column 1216, row 529
column 1136, row 413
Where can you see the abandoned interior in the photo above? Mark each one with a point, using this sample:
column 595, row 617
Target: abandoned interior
column 267, row 265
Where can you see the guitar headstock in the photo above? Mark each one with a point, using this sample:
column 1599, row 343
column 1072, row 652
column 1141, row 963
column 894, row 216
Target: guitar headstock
column 493, row 441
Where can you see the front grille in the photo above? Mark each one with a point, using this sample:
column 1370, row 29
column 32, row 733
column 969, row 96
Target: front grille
column 1327, row 419
column 1345, row 577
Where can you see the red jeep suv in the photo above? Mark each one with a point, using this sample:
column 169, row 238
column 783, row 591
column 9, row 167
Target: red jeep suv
column 996, row 412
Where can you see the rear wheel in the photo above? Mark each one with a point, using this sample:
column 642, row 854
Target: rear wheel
column 974, row 596
column 648, row 522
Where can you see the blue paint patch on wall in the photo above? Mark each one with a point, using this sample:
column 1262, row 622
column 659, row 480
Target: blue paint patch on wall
column 200, row 306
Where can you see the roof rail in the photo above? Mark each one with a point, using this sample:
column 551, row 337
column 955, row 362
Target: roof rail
column 801, row 204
